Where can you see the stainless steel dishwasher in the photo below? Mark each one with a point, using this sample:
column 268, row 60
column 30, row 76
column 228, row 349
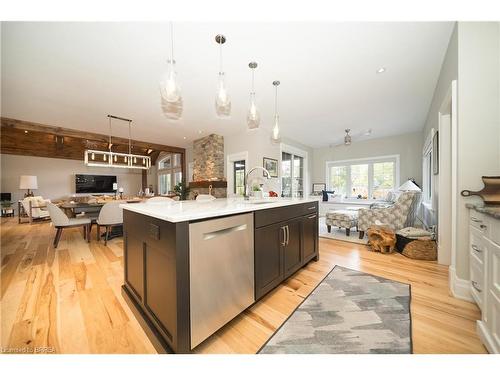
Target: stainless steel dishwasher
column 221, row 272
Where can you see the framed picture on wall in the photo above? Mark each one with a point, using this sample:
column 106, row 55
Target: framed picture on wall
column 271, row 165
column 435, row 153
column 317, row 188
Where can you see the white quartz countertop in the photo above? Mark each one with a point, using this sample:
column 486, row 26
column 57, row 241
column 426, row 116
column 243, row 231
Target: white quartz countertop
column 178, row 211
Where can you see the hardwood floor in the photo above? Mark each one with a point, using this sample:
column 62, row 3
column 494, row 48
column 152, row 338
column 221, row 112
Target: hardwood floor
column 67, row 300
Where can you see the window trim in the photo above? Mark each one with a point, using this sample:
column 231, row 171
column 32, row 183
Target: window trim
column 370, row 161
column 230, row 159
column 168, row 171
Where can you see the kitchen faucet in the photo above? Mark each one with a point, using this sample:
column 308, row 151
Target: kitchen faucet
column 245, row 182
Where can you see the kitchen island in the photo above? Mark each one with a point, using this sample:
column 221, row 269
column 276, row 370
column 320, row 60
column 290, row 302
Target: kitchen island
column 191, row 267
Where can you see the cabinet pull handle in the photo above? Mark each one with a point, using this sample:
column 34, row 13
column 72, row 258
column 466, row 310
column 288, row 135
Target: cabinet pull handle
column 284, row 236
column 476, row 220
column 287, row 235
column 311, row 217
column 311, row 208
column 474, row 285
column 477, row 249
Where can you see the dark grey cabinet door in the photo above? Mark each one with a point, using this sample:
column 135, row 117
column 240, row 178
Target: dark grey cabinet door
column 291, row 251
column 309, row 233
column 160, row 286
column 134, row 253
column 268, row 258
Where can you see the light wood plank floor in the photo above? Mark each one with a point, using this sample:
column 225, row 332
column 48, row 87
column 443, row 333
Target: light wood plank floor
column 68, row 300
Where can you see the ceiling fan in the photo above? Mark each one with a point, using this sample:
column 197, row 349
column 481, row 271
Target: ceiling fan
column 348, row 137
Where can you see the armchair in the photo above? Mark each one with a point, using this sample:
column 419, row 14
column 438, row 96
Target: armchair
column 400, row 215
column 35, row 208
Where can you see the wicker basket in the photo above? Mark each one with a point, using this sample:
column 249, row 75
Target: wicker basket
column 422, row 249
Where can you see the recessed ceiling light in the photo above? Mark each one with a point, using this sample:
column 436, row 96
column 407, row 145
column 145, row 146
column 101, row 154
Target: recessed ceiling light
column 184, row 138
column 25, row 132
column 200, row 131
column 380, row 70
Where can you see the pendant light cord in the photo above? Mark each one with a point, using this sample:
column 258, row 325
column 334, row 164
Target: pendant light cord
column 220, row 56
column 172, row 41
column 109, row 146
column 276, row 102
column 253, row 80
column 129, row 137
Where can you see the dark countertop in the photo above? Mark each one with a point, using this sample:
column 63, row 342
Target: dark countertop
column 493, row 211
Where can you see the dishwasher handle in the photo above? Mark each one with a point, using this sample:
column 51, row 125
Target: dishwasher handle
column 221, row 232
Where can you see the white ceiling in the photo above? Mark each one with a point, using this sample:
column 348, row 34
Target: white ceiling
column 73, row 74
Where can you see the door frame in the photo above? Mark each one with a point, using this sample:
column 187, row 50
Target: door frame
column 449, row 108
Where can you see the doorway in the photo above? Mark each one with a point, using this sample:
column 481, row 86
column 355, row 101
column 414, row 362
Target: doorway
column 446, row 186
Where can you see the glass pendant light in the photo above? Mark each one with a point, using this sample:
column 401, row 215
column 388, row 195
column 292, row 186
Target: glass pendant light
column 276, row 136
column 171, row 99
column 253, row 115
column 222, row 100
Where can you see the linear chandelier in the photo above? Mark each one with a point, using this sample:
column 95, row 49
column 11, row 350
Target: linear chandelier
column 98, row 158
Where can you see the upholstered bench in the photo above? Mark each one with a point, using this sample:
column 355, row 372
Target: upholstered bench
column 342, row 219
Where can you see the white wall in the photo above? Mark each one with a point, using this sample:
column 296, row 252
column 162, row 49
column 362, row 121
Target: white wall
column 258, row 145
column 448, row 73
column 56, row 177
column 407, row 146
column 478, row 120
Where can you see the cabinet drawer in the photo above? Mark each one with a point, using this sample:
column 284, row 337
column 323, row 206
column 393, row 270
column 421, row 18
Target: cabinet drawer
column 494, row 230
column 477, row 282
column 477, row 245
column 279, row 214
column 478, row 221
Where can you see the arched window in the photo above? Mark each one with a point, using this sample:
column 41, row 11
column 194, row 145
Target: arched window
column 169, row 172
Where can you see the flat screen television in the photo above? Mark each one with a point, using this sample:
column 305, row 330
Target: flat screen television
column 93, row 184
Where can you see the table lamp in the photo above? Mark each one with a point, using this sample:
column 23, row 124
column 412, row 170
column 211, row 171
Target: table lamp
column 28, row 183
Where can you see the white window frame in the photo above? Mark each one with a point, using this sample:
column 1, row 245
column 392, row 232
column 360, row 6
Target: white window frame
column 297, row 152
column 370, row 162
column 230, row 159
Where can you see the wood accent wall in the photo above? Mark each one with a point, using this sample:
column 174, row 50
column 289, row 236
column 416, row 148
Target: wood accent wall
column 19, row 137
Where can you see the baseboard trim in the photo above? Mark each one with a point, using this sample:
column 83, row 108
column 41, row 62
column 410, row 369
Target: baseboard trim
column 485, row 337
column 460, row 288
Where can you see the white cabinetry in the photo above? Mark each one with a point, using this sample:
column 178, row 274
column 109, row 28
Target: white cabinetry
column 484, row 253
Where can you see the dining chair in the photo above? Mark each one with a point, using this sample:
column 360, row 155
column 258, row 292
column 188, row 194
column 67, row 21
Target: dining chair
column 111, row 215
column 61, row 221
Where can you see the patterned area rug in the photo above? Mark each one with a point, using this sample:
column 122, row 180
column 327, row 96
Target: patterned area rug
column 349, row 312
column 339, row 234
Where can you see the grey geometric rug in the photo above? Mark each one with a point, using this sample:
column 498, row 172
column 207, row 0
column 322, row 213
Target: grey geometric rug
column 349, row 312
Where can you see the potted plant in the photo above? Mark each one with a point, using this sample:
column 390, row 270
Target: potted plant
column 181, row 190
column 257, row 191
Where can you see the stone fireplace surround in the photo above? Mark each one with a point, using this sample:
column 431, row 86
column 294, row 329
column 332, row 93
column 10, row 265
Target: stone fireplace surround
column 208, row 167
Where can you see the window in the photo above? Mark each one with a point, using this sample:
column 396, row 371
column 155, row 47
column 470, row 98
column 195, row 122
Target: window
column 359, row 180
column 338, row 179
column 239, row 177
column 383, row 179
column 169, row 173
column 292, row 175
column 236, row 168
column 368, row 178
